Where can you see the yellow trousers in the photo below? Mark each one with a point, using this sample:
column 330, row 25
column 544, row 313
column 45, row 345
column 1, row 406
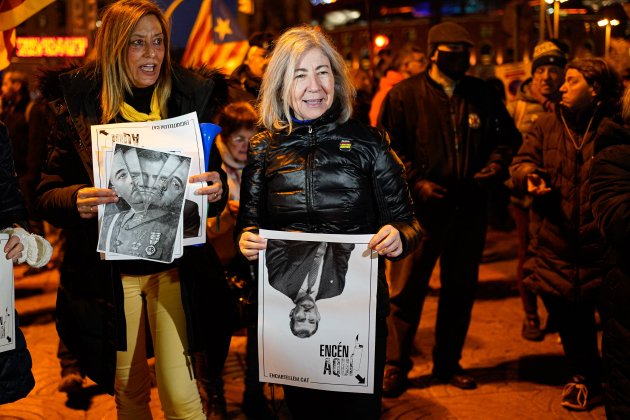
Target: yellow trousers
column 156, row 297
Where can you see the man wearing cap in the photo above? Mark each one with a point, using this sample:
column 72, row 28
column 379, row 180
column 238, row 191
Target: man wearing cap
column 537, row 96
column 455, row 137
column 248, row 76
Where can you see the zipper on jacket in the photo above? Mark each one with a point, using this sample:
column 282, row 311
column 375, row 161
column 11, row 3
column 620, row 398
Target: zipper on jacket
column 308, row 175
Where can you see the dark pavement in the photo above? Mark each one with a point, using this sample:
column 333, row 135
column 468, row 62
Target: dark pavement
column 517, row 378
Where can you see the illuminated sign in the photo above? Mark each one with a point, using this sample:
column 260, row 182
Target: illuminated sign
column 51, row 46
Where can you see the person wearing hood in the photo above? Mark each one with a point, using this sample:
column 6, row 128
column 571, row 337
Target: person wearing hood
column 456, row 139
column 610, row 201
column 247, row 77
column 566, row 249
column 537, row 96
column 111, row 313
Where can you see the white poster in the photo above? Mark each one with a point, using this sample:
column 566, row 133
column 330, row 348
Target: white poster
column 7, row 299
column 178, row 135
column 317, row 311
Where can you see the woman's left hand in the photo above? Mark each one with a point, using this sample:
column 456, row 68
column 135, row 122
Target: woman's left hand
column 14, row 248
column 214, row 189
column 387, row 242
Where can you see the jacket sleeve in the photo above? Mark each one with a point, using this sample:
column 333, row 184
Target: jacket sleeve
column 395, row 206
column 528, row 159
column 610, row 194
column 253, row 189
column 391, row 119
column 62, row 176
column 12, row 208
column 506, row 137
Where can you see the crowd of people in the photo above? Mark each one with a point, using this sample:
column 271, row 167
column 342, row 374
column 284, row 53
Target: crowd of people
column 430, row 145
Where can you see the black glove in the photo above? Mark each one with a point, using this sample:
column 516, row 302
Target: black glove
column 488, row 174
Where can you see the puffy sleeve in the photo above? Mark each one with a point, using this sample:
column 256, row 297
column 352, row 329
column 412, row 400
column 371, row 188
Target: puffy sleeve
column 395, row 206
column 253, row 191
column 529, row 158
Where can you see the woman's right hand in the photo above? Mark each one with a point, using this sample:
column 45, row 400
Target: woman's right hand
column 14, row 248
column 88, row 200
column 250, row 243
column 536, row 185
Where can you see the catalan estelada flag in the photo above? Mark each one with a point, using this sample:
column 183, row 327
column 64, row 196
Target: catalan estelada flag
column 216, row 39
column 13, row 13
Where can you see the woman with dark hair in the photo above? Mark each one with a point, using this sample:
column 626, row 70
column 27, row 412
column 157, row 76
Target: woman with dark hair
column 104, row 308
column 302, row 176
column 566, row 247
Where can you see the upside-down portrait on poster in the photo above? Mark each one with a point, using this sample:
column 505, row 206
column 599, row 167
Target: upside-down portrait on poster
column 317, row 308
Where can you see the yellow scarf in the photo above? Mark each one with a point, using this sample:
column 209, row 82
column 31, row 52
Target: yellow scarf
column 130, row 114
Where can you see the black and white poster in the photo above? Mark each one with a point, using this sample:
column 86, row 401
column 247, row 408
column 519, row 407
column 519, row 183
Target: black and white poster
column 179, row 135
column 317, row 309
column 151, row 188
column 7, row 299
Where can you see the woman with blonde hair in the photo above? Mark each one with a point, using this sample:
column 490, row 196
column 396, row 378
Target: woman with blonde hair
column 104, row 307
column 315, row 169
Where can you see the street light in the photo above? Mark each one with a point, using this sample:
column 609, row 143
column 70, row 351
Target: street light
column 608, row 24
column 556, row 16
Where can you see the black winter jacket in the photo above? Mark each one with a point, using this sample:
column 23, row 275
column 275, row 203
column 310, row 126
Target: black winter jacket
column 16, row 379
column 610, row 199
column 566, row 246
column 447, row 140
column 90, row 313
column 327, row 177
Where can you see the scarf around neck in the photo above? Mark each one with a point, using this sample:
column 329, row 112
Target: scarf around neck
column 130, row 114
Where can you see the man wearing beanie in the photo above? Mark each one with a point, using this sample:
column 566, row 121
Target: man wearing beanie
column 537, row 96
column 456, row 139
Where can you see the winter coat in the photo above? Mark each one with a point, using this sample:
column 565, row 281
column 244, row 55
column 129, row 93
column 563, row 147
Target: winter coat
column 90, row 312
column 16, row 378
column 447, row 140
column 566, row 247
column 327, row 177
column 610, row 199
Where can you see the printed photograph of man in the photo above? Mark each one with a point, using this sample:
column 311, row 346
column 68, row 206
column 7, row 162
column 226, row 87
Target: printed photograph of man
column 306, row 272
column 151, row 186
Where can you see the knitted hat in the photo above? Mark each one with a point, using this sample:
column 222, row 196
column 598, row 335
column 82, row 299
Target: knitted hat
column 447, row 33
column 548, row 53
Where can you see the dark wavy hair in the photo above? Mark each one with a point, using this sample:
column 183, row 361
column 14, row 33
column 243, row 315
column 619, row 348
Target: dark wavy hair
column 602, row 77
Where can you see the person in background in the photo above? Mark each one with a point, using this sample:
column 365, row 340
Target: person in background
column 305, row 106
column 238, row 124
column 104, row 306
column 16, row 378
column 537, row 96
column 406, row 62
column 456, row 139
column 610, row 201
column 248, row 76
column 566, row 249
column 362, row 83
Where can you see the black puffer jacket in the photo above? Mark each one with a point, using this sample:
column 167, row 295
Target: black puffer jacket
column 16, row 379
column 327, row 177
column 90, row 312
column 610, row 198
column 566, row 246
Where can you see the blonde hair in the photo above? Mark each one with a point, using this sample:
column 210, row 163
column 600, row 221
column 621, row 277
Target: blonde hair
column 111, row 44
column 277, row 84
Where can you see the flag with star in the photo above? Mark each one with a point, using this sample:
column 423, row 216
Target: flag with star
column 216, row 40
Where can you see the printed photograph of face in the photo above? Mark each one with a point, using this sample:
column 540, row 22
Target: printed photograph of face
column 151, row 186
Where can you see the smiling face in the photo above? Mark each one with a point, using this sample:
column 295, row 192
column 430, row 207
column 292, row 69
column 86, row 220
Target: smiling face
column 145, row 52
column 313, row 87
column 577, row 94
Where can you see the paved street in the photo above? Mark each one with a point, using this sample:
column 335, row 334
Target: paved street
column 517, row 378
